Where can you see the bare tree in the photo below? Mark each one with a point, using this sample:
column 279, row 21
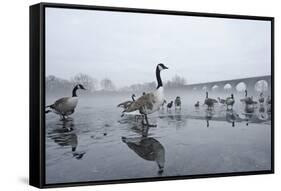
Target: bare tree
column 86, row 80
column 107, row 84
column 176, row 82
column 57, row 85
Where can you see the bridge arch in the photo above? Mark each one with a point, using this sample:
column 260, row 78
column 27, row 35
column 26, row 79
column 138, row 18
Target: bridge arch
column 227, row 86
column 261, row 86
column 215, row 87
column 241, row 86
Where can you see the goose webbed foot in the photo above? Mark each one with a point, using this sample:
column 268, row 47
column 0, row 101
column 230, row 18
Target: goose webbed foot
column 147, row 123
column 48, row 111
column 150, row 125
column 160, row 171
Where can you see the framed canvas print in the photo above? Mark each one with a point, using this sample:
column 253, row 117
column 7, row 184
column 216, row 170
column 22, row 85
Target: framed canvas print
column 126, row 95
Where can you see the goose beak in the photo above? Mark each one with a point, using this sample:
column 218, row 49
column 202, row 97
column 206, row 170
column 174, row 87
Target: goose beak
column 165, row 67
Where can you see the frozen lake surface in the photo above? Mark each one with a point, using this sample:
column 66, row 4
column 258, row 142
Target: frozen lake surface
column 97, row 144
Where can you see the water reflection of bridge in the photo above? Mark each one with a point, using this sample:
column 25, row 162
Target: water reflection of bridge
column 251, row 84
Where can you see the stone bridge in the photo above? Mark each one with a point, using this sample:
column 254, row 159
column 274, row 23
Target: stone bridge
column 251, row 84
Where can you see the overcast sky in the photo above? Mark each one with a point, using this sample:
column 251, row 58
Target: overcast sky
column 126, row 47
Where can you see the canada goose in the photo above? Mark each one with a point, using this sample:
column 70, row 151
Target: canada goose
column 65, row 106
column 248, row 100
column 268, row 100
column 221, row 101
column 178, row 103
column 209, row 101
column 125, row 104
column 230, row 101
column 148, row 149
column 163, row 104
column 197, row 104
column 261, row 98
column 150, row 102
column 169, row 105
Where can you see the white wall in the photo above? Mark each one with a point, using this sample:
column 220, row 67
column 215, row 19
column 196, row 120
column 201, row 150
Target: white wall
column 14, row 40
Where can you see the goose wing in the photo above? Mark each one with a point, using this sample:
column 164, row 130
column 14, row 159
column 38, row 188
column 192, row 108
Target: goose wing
column 210, row 101
column 146, row 101
column 213, row 100
column 124, row 104
column 65, row 105
column 60, row 102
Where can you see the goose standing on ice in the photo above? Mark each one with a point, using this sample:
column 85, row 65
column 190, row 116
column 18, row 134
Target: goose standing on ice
column 65, row 106
column 125, row 104
column 150, row 102
column 248, row 100
column 230, row 102
column 178, row 103
column 163, row 104
column 209, row 101
column 261, row 98
column 169, row 105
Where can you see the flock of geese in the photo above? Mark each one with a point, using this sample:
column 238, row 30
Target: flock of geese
column 250, row 103
column 146, row 104
column 151, row 102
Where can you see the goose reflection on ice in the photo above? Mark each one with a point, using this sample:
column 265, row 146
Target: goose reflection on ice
column 231, row 117
column 148, row 148
column 249, row 111
column 209, row 115
column 262, row 115
column 66, row 137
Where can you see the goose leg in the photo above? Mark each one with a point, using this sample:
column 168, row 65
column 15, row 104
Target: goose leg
column 145, row 132
column 63, row 117
column 147, row 123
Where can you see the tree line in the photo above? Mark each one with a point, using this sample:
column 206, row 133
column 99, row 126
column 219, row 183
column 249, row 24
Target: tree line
column 56, row 84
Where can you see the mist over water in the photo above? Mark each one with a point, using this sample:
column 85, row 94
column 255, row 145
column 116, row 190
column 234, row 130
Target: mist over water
column 99, row 144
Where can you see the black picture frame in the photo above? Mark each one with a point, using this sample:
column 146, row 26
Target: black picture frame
column 37, row 92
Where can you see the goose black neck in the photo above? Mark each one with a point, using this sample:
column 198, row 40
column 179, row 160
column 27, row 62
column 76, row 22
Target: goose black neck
column 74, row 94
column 207, row 95
column 246, row 93
column 158, row 77
column 133, row 97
